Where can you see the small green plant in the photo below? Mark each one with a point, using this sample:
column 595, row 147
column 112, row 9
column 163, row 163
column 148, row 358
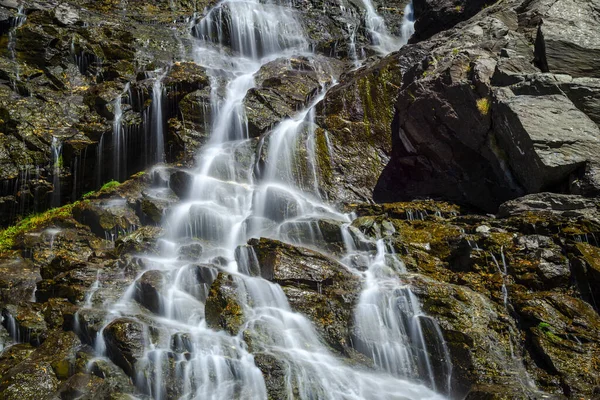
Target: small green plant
column 455, row 51
column 484, row 105
column 32, row 222
column 59, row 162
column 110, row 185
column 546, row 328
column 458, row 8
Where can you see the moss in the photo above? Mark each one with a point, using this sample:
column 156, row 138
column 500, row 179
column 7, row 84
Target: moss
column 323, row 157
column 484, row 105
column 33, row 222
column 109, row 185
column 547, row 329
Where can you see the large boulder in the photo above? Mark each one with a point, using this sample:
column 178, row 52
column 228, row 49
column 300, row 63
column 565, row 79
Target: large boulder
column 546, row 138
column 567, row 41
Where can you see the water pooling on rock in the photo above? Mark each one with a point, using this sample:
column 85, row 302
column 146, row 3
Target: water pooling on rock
column 213, row 319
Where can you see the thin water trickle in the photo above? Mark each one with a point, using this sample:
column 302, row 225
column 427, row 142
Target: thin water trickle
column 158, row 122
column 227, row 204
column 17, row 22
column 57, row 161
column 119, row 140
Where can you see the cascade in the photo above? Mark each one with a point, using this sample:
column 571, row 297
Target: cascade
column 380, row 36
column 242, row 188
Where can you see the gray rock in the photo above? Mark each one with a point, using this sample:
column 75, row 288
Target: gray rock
column 546, row 138
column 66, row 15
column 587, row 182
column 148, row 290
column 549, row 202
column 568, row 41
column 583, row 92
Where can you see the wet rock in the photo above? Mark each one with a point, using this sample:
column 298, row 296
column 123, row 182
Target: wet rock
column 148, row 290
column 37, row 375
column 283, row 87
column 184, row 78
column 155, row 204
column 25, row 324
column 72, row 285
column 87, row 323
column 30, row 381
column 59, row 313
column 66, row 15
column 223, row 309
column 191, row 251
column 585, row 261
column 354, row 144
column 181, row 182
column 80, row 385
column 125, row 340
column 114, row 379
column 317, row 286
column 480, row 350
column 274, row 372
column 563, row 333
column 61, row 263
column 13, row 355
column 18, row 279
column 324, row 233
column 142, row 240
column 107, row 217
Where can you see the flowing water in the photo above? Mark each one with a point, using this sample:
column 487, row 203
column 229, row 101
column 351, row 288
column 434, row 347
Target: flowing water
column 119, row 139
column 57, row 161
column 244, row 188
column 17, row 22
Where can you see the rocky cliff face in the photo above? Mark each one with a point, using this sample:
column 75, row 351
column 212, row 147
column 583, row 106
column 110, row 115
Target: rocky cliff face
column 490, row 108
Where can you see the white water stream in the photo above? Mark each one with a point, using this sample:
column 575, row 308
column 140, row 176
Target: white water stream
column 228, row 204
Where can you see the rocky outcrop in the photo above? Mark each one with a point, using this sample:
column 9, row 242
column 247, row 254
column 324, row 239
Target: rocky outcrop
column 566, row 41
column 470, row 90
column 546, row 138
column 60, row 83
column 353, row 143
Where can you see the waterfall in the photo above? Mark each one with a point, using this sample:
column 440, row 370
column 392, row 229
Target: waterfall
column 158, row 123
column 243, row 188
column 17, row 22
column 380, row 36
column 400, row 339
column 119, row 139
column 57, row 161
